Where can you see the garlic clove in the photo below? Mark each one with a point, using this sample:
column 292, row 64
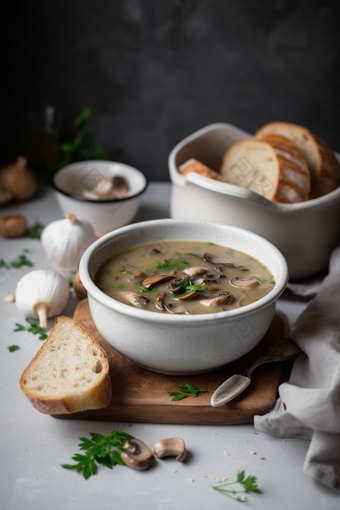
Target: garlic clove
column 43, row 293
column 65, row 241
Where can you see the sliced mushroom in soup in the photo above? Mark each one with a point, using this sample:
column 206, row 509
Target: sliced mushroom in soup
column 184, row 277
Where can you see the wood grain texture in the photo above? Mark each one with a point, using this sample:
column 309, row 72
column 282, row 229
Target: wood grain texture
column 141, row 396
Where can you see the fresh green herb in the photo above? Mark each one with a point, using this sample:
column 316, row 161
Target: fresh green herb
column 22, row 260
column 34, row 329
column 186, row 391
column 177, row 253
column 125, row 271
column 85, row 145
column 143, row 255
column 70, row 281
column 35, row 231
column 212, row 244
column 193, row 255
column 13, row 348
column 249, row 485
column 191, row 288
column 166, row 266
column 230, row 252
column 196, row 248
column 148, row 270
column 105, row 450
column 3, row 263
column 118, row 286
column 27, row 251
column 147, row 291
column 263, row 279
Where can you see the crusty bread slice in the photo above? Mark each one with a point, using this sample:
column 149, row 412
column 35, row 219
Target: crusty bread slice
column 69, row 373
column 193, row 165
column 273, row 169
column 323, row 165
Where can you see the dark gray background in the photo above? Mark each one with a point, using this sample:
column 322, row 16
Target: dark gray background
column 154, row 71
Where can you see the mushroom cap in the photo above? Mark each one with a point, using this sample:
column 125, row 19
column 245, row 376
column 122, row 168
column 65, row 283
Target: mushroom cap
column 173, row 446
column 244, row 284
column 154, row 280
column 223, row 299
column 194, row 271
column 137, row 455
column 135, row 299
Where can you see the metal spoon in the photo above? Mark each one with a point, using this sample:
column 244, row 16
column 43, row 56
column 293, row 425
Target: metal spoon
column 285, row 349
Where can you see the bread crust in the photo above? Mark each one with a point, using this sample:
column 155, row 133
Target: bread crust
column 293, row 178
column 325, row 171
column 95, row 397
column 193, row 165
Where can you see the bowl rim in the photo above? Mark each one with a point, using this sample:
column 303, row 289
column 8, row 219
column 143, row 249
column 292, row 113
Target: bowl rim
column 147, row 315
column 89, row 200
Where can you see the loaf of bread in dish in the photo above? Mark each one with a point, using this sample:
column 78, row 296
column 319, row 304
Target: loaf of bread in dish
column 273, row 168
column 69, row 373
column 193, row 165
column 323, row 165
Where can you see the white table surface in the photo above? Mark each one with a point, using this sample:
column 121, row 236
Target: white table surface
column 34, row 445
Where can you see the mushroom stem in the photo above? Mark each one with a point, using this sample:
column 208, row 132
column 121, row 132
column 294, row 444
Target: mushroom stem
column 72, row 217
column 42, row 310
column 174, row 446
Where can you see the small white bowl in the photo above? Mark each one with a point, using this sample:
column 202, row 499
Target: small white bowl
column 105, row 215
column 181, row 344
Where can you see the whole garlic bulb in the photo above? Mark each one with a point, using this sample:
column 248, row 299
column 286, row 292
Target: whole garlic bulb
column 66, row 240
column 43, row 293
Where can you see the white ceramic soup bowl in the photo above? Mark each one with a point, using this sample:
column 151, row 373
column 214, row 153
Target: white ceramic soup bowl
column 104, row 215
column 306, row 233
column 181, row 344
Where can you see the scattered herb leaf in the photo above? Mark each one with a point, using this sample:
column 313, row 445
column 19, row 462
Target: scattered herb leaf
column 22, row 260
column 105, row 450
column 35, row 231
column 143, row 255
column 186, row 391
column 230, row 252
column 34, row 329
column 249, row 485
column 70, row 281
column 148, row 270
column 193, row 255
column 166, row 266
column 185, row 284
column 27, row 251
column 196, row 248
column 3, row 263
column 147, row 291
column 13, row 348
column 177, row 253
column 263, row 279
column 125, row 271
column 118, row 286
column 212, row 244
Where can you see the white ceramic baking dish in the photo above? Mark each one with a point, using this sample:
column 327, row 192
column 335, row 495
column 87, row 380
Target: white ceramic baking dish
column 181, row 344
column 305, row 233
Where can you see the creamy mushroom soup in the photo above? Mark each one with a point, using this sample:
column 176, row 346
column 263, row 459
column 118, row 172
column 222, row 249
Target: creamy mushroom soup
column 184, row 277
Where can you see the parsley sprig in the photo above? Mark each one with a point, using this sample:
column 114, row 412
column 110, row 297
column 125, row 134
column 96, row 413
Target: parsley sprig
column 147, row 291
column 35, row 231
column 170, row 264
column 249, row 485
column 33, row 328
column 13, row 348
column 20, row 261
column 104, row 450
column 186, row 391
column 191, row 288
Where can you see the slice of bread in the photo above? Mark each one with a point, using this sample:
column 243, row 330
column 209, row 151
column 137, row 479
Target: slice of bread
column 69, row 373
column 193, row 165
column 274, row 169
column 323, row 165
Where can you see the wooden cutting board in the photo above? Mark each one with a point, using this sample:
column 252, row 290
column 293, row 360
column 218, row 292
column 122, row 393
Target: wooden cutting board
column 141, row 396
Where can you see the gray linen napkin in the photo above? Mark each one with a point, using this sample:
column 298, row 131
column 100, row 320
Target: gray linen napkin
column 309, row 404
